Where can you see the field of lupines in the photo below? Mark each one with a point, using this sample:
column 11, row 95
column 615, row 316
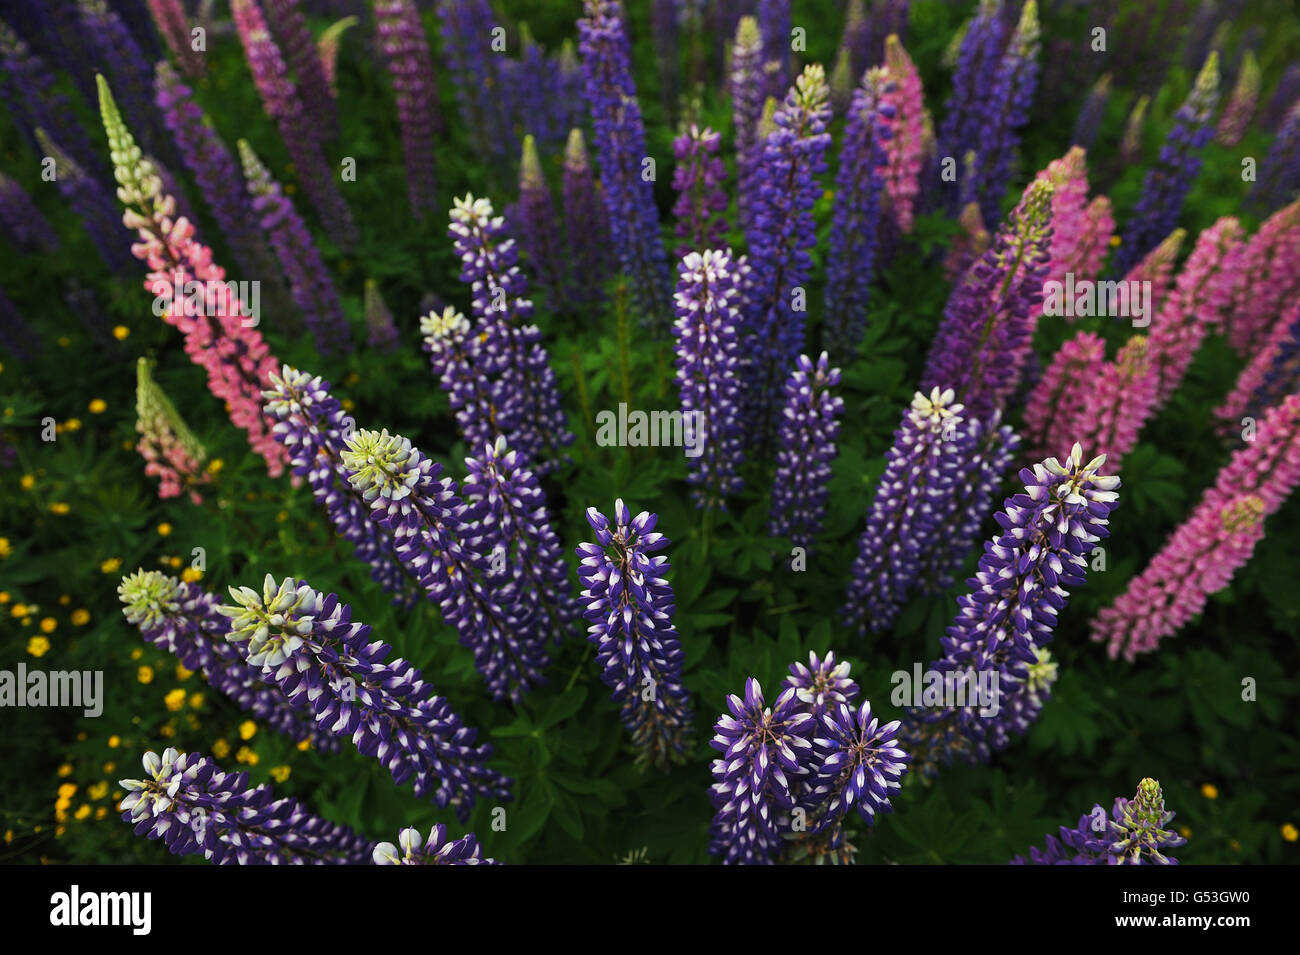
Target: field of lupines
column 662, row 432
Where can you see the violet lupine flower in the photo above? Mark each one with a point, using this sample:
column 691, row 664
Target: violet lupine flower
column 980, row 348
column 311, row 425
column 745, row 86
column 620, row 149
column 586, row 228
column 477, row 73
column 1279, row 174
column 1240, row 108
column 630, row 604
column 182, row 619
column 301, row 137
column 23, row 222
column 969, row 109
column 173, row 26
column 290, row 27
column 1273, row 373
column 1268, row 281
column 1056, row 405
column 189, row 803
column 456, row 356
column 766, row 753
column 860, row 764
column 539, row 229
column 905, row 145
column 1091, row 114
column 809, row 427
column 1284, row 97
column 1003, row 626
column 306, row 643
column 822, row 684
column 857, row 37
column 856, row 220
column 708, row 300
column 437, row 539
column 406, row 54
column 774, row 24
column 16, row 336
column 310, row 283
column 699, row 181
column 515, row 362
column 516, row 525
column 665, row 31
column 1136, row 833
column 782, row 231
column 1206, row 550
column 218, row 335
column 1167, row 184
column 92, row 203
column 382, row 330
column 533, row 90
column 414, row 849
column 1010, row 98
column 120, row 56
column 171, row 452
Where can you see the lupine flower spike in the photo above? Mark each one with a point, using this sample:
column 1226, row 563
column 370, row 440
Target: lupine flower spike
column 171, row 452
column 414, row 849
column 809, row 429
column 1135, row 833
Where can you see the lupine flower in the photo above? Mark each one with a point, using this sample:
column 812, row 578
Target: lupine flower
column 1057, row 403
column 414, row 849
column 745, row 86
column 856, row 38
column 629, row 604
column 1167, row 184
column 664, row 31
column 969, row 245
column 859, row 763
column 981, row 346
column 1091, row 114
column 781, row 233
column 774, row 25
column 1272, row 374
column 475, row 71
column 301, row 137
column 382, row 329
column 171, row 452
column 698, row 180
column 456, row 355
column 1007, row 111
column 118, row 53
column 1078, row 241
column 809, row 427
column 708, row 298
column 1158, row 268
column 887, row 17
column 1240, row 108
column 306, row 643
column 311, row 425
column 406, row 54
column 515, row 363
column 1279, row 174
column 905, row 146
column 539, row 230
column 516, row 525
column 855, row 223
column 437, row 540
column 1130, row 146
column 620, row 149
column 219, row 337
column 1004, row 624
column 309, row 281
column 290, row 27
column 182, row 619
column 1135, row 834
column 16, row 336
column 969, row 108
column 1121, row 398
column 823, row 684
column 585, row 227
column 22, row 221
column 1268, row 281
column 327, row 48
column 195, row 807
column 1284, row 97
column 169, row 17
column 92, row 203
column 1206, row 550
column 534, row 85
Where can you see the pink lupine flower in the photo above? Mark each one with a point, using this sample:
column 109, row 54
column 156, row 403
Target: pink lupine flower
column 1241, row 105
column 171, row 452
column 1268, row 280
column 1054, row 407
column 169, row 18
column 1272, row 372
column 1094, row 239
column 906, row 145
column 1119, row 402
column 1081, row 230
column 1157, row 267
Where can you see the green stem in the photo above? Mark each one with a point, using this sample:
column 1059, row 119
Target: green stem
column 578, row 669
column 583, row 397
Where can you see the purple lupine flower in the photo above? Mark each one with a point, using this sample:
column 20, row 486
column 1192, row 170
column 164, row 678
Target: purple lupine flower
column 566, row 104
column 1167, row 184
column 745, row 86
column 189, row 803
column 414, row 849
column 859, row 763
column 98, row 209
column 1279, row 174
column 306, row 643
column 120, row 57
column 532, row 86
column 1072, row 846
column 708, row 297
column 311, row 425
column 477, row 72
column 182, row 619
column 630, row 604
column 290, row 27
column 774, row 23
column 1091, row 114
column 1284, row 97
column 1003, row 626
column 980, row 348
column 16, row 336
column 809, row 426
column 516, row 525
column 539, row 230
column 586, row 227
column 664, row 31
column 406, row 53
column 621, row 149
column 1010, row 98
column 699, row 180
column 969, row 108
column 382, row 330
column 310, row 283
column 1135, row 834
column 437, row 540
column 856, row 39
column 855, row 224
column 23, row 221
column 301, row 138
column 766, row 753
column 457, row 358
column 782, row 231
column 173, row 26
column 515, row 362
column 822, row 683
column 887, row 17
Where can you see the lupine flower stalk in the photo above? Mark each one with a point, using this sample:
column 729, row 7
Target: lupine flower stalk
column 1157, row 267
column 406, row 54
column 1268, row 280
column 1078, row 241
column 809, row 428
column 665, row 32
column 629, row 604
column 969, row 245
column 1056, row 405
column 414, row 849
column 381, row 329
column 127, row 68
column 970, row 107
column 1004, row 624
column 22, row 221
column 708, row 302
column 539, row 229
column 194, row 807
column 1272, row 374
column 620, row 150
column 169, row 17
column 905, row 146
column 1167, row 184
column 1279, row 173
column 774, row 25
column 310, row 283
column 1135, row 833
column 586, row 229
column 1206, row 550
column 1010, row 97
column 1091, row 114
column 218, row 336
column 92, row 203
column 171, row 452
column 1120, row 399
column 477, row 73
column 1240, row 108
column 1130, row 145
column 698, row 180
column 327, row 48
column 457, row 358
column 290, row 27
column 745, row 87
